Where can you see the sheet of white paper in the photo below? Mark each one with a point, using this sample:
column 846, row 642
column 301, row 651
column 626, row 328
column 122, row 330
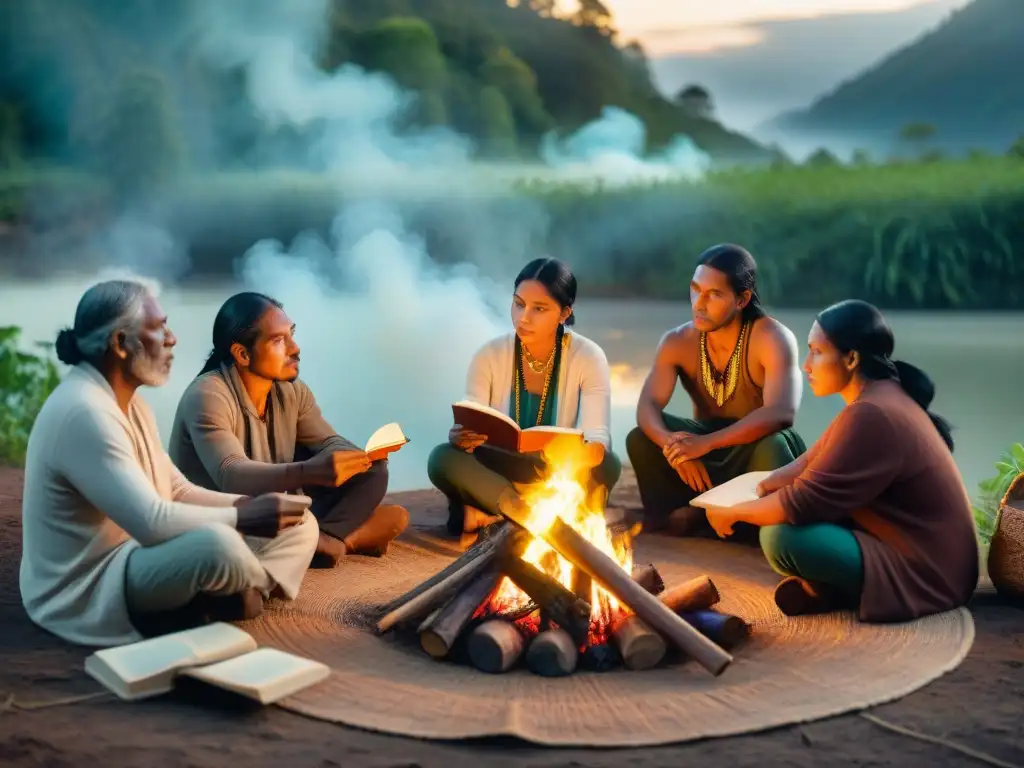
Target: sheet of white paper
column 732, row 492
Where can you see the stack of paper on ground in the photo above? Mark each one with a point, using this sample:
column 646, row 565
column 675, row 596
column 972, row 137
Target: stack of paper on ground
column 219, row 654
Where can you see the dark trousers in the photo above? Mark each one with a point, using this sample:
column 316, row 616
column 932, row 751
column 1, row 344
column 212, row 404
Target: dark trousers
column 479, row 478
column 342, row 510
column 662, row 491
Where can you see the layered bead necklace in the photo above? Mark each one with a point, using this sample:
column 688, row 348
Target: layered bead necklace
column 536, row 366
column 722, row 386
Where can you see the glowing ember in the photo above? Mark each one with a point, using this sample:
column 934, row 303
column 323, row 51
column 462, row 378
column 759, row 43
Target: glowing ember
column 563, row 494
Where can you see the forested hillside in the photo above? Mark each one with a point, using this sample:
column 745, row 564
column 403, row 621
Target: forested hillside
column 79, row 77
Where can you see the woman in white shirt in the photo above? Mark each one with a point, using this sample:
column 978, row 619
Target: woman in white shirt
column 539, row 374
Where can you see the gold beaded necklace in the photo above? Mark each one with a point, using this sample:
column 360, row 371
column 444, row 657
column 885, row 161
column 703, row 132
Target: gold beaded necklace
column 547, row 379
column 536, row 365
column 722, row 386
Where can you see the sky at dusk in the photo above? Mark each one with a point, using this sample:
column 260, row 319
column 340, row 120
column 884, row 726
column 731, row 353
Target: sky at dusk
column 697, row 26
column 761, row 57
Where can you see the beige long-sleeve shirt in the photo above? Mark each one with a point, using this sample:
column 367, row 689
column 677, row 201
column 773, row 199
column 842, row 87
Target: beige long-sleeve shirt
column 219, row 442
column 98, row 484
column 584, row 384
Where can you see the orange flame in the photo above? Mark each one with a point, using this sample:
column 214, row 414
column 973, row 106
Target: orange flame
column 563, row 493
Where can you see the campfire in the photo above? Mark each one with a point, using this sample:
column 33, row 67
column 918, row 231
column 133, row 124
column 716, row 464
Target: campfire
column 558, row 589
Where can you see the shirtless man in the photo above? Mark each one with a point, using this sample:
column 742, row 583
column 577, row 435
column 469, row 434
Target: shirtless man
column 741, row 371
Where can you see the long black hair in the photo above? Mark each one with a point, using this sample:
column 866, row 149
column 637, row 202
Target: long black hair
column 740, row 270
column 237, row 322
column 857, row 326
column 556, row 277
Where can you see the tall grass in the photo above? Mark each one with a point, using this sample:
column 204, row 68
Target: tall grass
column 925, row 235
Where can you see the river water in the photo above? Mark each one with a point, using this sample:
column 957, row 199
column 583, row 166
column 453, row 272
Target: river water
column 374, row 360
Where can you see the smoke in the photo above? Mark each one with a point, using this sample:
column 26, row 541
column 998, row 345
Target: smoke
column 387, row 332
column 137, row 244
column 611, row 149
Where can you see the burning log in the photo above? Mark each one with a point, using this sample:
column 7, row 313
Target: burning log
column 722, row 628
column 442, row 628
column 640, row 646
column 697, row 594
column 494, row 646
column 425, row 600
column 553, row 653
column 486, row 547
column 647, row 576
column 557, row 603
column 608, row 574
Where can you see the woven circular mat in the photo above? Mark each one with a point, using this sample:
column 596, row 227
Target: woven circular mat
column 788, row 671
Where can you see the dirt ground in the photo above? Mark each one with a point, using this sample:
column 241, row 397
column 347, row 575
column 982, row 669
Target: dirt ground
column 978, row 707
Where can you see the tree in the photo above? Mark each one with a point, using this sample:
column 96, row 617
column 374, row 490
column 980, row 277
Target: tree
column 140, row 145
column 518, row 84
column 697, row 101
column 639, row 67
column 1017, row 149
column 822, row 158
column 10, row 136
column 917, row 134
column 497, row 125
column 594, row 15
column 544, row 7
column 405, row 48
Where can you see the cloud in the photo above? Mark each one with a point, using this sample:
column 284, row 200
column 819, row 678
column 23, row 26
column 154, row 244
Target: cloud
column 701, row 40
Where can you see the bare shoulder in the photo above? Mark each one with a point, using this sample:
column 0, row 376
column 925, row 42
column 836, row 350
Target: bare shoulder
column 770, row 338
column 679, row 341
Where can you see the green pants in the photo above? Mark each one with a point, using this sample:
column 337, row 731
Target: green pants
column 479, row 478
column 821, row 553
column 662, row 491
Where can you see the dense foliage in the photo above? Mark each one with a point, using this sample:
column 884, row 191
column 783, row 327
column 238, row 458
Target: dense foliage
column 923, row 235
column 993, row 489
column 26, row 380
column 124, row 88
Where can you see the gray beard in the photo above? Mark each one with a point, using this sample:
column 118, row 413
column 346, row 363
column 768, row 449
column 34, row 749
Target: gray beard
column 148, row 370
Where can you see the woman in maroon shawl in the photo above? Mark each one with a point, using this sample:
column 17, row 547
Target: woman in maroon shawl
column 875, row 516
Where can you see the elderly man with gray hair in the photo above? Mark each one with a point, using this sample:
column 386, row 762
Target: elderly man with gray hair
column 117, row 543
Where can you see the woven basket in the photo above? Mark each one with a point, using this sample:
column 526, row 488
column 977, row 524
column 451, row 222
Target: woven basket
column 1006, row 553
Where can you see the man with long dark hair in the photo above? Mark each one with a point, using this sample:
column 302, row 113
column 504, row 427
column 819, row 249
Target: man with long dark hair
column 741, row 370
column 117, row 543
column 248, row 424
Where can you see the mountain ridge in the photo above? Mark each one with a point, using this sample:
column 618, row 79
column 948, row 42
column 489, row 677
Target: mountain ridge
column 956, row 77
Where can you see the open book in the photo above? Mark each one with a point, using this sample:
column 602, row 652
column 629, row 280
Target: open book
column 732, row 492
column 219, row 654
column 385, row 440
column 502, row 431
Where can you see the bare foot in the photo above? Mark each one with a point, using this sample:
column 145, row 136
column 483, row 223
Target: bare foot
column 329, row 551
column 373, row 537
column 474, row 519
